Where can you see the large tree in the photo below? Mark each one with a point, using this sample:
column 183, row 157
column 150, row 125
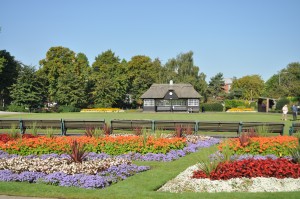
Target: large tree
column 109, row 82
column 216, row 86
column 141, row 73
column 28, row 90
column 251, row 86
column 9, row 69
column 66, row 76
column 182, row 70
column 285, row 83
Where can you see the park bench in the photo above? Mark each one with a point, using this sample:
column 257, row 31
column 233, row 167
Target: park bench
column 10, row 124
column 129, row 125
column 269, row 127
column 173, row 124
column 294, row 128
column 219, row 126
column 81, row 125
column 40, row 124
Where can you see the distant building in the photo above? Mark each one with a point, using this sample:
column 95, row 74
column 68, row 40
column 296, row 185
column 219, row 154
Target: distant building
column 227, row 84
column 171, row 98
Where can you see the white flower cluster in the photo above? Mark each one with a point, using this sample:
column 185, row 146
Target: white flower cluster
column 185, row 183
column 51, row 165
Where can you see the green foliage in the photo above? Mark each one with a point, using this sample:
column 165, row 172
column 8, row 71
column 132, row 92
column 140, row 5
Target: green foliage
column 33, row 129
column 66, row 109
column 216, row 86
column 28, row 91
column 49, row 132
column 236, row 103
column 212, row 107
column 281, row 102
column 109, row 80
column 17, row 108
column 9, row 70
column 252, row 86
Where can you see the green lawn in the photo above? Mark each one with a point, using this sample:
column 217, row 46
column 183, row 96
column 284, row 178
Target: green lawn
column 143, row 185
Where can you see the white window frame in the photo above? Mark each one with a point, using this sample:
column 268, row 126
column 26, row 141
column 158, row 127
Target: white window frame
column 149, row 102
column 193, row 102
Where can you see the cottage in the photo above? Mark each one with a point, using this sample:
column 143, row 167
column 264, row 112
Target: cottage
column 171, row 98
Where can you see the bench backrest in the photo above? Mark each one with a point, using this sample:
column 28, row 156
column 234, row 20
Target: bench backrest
column 9, row 123
column 219, row 126
column 270, row 127
column 173, row 124
column 83, row 124
column 130, row 124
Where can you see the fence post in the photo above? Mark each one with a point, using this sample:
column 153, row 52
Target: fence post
column 21, row 126
column 62, row 127
column 196, row 126
column 240, row 128
column 153, row 126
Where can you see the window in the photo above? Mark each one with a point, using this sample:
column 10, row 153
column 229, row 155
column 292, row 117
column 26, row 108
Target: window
column 148, row 102
column 163, row 103
column 193, row 102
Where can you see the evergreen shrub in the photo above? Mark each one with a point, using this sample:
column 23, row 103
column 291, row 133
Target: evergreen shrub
column 212, row 107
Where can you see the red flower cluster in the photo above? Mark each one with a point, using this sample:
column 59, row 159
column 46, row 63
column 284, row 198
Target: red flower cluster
column 251, row 168
column 6, row 137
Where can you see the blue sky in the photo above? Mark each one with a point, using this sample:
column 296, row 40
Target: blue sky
column 234, row 37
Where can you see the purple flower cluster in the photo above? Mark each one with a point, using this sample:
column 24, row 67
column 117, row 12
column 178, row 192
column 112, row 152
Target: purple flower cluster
column 100, row 180
column 104, row 178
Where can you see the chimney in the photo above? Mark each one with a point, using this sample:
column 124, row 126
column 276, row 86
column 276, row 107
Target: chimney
column 171, row 82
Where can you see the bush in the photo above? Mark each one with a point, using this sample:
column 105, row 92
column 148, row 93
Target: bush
column 213, row 107
column 16, row 108
column 234, row 104
column 66, row 109
column 281, row 102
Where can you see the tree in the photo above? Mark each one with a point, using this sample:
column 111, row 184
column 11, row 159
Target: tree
column 27, row 91
column 141, row 73
column 182, row 70
column 216, row 86
column 285, row 83
column 61, row 70
column 108, row 80
column 9, row 69
column 252, row 86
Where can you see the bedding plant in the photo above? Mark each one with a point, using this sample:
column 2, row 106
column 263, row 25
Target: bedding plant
column 87, row 162
column 253, row 157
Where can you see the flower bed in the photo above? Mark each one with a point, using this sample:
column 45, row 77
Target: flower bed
column 226, row 171
column 97, row 170
column 110, row 145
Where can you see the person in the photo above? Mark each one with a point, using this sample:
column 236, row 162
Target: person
column 284, row 112
column 294, row 109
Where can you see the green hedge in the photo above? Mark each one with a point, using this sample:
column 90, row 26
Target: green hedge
column 212, row 107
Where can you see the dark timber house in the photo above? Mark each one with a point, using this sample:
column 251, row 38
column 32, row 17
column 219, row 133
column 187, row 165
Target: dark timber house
column 171, row 98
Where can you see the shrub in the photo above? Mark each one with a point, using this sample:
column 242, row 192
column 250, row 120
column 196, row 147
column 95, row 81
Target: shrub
column 66, row 109
column 281, row 102
column 16, row 108
column 213, row 107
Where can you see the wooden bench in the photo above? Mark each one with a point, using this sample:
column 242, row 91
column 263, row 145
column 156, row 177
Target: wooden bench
column 173, row 124
column 270, row 127
column 10, row 124
column 130, row 125
column 81, row 124
column 294, row 128
column 220, row 126
column 41, row 124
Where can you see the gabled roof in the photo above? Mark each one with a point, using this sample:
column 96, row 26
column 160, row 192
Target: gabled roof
column 158, row 91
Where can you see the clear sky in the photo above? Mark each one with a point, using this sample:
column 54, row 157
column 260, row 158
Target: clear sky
column 234, row 37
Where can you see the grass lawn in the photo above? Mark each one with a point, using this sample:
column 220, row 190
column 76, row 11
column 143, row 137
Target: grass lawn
column 143, row 185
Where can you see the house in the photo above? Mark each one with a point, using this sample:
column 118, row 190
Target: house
column 171, row 98
column 227, row 84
